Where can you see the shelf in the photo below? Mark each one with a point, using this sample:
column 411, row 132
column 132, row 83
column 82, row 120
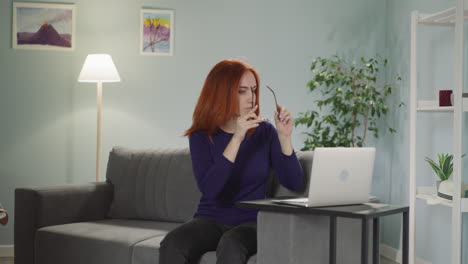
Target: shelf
column 435, row 109
column 429, row 195
column 433, row 106
column 443, row 18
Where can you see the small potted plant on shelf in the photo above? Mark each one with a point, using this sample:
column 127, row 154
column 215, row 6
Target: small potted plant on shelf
column 444, row 169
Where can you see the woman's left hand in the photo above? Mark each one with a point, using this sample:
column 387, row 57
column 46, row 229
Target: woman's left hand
column 284, row 121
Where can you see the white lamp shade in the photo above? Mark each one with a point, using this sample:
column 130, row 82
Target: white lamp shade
column 99, row 68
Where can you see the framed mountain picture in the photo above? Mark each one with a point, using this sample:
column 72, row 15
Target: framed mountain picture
column 156, row 32
column 43, row 26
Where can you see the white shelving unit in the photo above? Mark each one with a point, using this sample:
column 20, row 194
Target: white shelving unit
column 453, row 17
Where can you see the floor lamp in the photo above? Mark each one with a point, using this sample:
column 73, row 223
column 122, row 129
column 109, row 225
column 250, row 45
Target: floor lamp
column 98, row 68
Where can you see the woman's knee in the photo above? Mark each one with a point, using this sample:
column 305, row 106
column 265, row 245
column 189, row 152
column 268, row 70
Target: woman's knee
column 189, row 241
column 174, row 250
column 239, row 242
column 174, row 243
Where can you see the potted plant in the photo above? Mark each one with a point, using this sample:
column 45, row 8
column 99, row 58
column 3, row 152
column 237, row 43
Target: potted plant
column 444, row 169
column 351, row 96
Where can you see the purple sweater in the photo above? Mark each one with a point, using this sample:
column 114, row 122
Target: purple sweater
column 223, row 183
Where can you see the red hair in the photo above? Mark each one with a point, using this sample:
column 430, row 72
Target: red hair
column 219, row 98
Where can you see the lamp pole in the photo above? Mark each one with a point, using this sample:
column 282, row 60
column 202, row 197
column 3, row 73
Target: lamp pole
column 98, row 150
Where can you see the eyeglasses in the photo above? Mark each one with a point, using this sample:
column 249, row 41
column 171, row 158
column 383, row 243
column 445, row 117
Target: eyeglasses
column 274, row 96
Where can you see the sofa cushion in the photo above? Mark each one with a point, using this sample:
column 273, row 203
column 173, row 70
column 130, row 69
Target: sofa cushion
column 148, row 252
column 152, row 184
column 105, row 241
column 275, row 189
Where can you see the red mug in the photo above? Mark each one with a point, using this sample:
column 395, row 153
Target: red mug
column 444, row 98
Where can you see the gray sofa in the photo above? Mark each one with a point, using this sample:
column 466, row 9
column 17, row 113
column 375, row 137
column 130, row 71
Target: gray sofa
column 147, row 194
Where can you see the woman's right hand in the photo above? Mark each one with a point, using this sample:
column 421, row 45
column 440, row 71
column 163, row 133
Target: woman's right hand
column 246, row 122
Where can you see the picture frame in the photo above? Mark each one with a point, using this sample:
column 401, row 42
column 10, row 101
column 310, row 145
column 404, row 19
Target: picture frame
column 43, row 26
column 156, row 32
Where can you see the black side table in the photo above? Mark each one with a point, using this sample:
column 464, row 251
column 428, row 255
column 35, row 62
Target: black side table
column 366, row 212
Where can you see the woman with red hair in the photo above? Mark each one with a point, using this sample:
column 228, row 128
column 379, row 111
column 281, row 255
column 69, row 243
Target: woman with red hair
column 232, row 150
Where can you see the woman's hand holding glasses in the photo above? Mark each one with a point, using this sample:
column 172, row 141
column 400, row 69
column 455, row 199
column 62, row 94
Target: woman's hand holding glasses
column 283, row 121
column 246, row 122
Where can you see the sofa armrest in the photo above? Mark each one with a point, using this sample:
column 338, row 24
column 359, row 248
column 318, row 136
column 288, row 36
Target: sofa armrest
column 55, row 205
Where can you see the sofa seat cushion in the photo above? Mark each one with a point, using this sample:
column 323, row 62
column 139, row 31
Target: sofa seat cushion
column 148, row 252
column 97, row 242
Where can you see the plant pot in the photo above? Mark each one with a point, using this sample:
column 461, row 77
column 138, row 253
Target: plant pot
column 445, row 190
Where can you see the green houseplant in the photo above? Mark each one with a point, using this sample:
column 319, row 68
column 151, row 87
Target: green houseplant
column 351, row 97
column 444, row 167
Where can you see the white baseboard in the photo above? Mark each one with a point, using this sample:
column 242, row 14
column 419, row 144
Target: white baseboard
column 6, row 251
column 395, row 255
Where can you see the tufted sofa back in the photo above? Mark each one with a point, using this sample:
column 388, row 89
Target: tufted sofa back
column 158, row 184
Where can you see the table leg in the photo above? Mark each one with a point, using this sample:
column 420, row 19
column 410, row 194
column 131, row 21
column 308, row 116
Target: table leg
column 405, row 237
column 332, row 255
column 364, row 241
column 376, row 241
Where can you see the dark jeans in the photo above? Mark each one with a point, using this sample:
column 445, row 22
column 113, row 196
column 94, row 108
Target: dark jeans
column 188, row 242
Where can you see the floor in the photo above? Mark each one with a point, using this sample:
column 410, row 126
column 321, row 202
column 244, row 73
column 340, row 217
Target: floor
column 383, row 260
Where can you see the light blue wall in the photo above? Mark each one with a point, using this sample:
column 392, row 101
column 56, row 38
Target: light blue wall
column 48, row 119
column 435, row 67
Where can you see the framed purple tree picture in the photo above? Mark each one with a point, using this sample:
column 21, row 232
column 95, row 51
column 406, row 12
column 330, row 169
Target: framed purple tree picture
column 43, row 26
column 157, row 32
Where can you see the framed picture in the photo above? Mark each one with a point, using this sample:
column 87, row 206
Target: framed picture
column 157, row 32
column 43, row 26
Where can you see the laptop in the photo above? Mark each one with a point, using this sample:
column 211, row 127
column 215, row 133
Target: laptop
column 339, row 176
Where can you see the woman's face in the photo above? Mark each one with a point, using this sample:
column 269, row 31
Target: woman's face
column 247, row 87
